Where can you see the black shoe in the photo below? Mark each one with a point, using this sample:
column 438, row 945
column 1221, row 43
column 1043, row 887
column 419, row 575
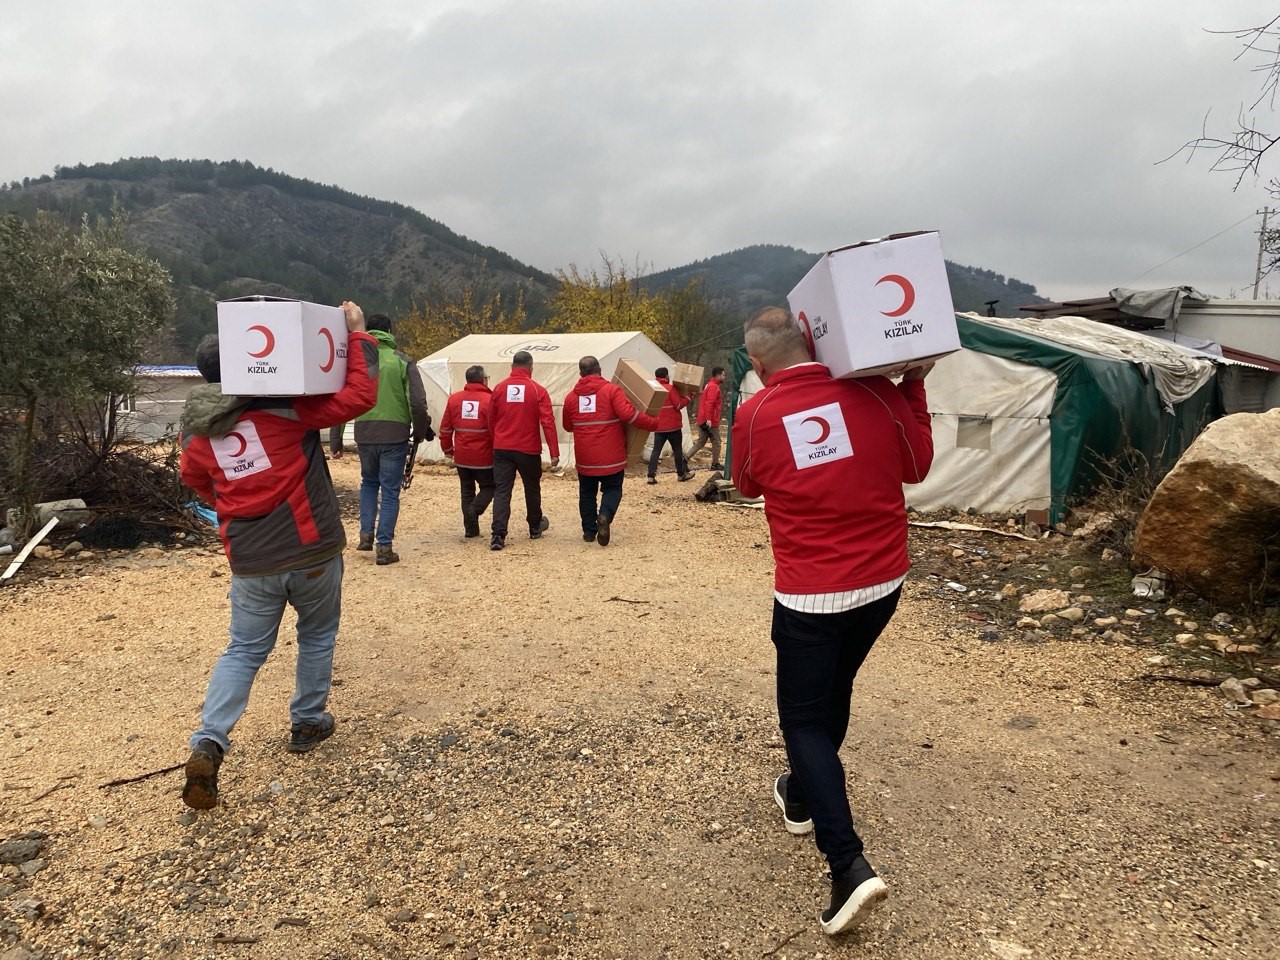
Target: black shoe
column 366, row 542
column 602, row 530
column 588, row 537
column 717, row 466
column 386, row 555
column 201, row 789
column 497, row 543
column 535, row 533
column 653, row 479
column 685, row 476
column 853, row 895
column 795, row 816
column 470, row 523
column 303, row 739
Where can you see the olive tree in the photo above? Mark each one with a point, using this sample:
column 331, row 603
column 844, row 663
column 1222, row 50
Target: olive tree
column 78, row 310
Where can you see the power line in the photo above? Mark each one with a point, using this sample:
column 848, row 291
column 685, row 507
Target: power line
column 1247, row 216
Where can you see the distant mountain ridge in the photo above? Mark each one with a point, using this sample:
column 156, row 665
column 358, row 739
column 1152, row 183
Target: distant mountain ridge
column 762, row 275
column 230, row 228
column 226, row 229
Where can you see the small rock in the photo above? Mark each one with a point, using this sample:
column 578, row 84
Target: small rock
column 1233, row 691
column 1109, row 555
column 74, row 547
column 1186, row 640
column 1043, row 601
column 1028, row 623
column 1265, row 696
column 1008, row 591
column 1080, row 573
column 1134, row 614
column 1173, row 613
column 44, row 551
column 19, row 953
column 98, row 822
column 1270, row 712
column 29, row 909
column 1115, row 636
column 20, row 851
column 405, row 916
column 1190, row 626
column 187, row 818
column 1105, row 621
column 1073, row 614
column 1049, row 619
column 1158, row 661
column 31, row 867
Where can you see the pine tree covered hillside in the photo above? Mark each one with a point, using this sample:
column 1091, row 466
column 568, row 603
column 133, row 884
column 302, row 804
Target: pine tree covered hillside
column 762, row 275
column 226, row 229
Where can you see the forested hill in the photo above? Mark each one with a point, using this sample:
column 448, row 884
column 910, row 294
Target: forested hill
column 227, row 229
column 763, row 275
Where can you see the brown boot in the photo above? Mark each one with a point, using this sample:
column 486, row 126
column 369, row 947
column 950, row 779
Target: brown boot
column 386, row 555
column 366, row 542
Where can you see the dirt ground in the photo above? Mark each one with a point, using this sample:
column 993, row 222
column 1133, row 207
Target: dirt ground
column 564, row 750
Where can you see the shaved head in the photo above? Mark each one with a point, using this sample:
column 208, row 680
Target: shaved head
column 774, row 339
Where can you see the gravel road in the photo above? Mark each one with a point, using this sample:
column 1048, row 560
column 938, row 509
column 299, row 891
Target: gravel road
column 567, row 751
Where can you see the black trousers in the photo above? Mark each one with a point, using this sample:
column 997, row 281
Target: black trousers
column 471, row 478
column 673, row 438
column 506, row 464
column 818, row 656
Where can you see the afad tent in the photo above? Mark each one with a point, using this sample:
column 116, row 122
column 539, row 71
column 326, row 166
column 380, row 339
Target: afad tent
column 555, row 366
column 1031, row 413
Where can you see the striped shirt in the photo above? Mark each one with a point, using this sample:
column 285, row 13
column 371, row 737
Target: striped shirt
column 837, row 602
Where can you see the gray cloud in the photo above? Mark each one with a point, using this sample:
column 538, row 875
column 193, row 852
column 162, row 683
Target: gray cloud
column 671, row 131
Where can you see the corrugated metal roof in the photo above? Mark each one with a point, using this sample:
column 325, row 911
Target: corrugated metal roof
column 166, row 371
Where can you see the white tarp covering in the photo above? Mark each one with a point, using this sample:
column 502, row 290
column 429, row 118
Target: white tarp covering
column 990, row 435
column 555, row 366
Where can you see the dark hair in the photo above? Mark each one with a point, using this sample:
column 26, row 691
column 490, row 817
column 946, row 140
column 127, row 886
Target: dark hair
column 522, row 358
column 475, row 374
column 661, row 372
column 378, row 321
column 588, row 366
column 716, row 371
column 207, row 360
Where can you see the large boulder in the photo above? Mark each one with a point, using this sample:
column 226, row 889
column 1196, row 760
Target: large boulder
column 1213, row 524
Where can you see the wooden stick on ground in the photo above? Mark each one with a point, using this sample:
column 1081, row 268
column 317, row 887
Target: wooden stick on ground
column 34, row 542
column 141, row 776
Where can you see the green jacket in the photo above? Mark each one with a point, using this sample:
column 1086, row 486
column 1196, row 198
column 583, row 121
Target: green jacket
column 402, row 400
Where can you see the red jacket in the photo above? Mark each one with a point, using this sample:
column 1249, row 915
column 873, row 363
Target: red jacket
column 596, row 413
column 830, row 458
column 520, row 405
column 669, row 416
column 464, row 429
column 260, row 463
column 709, row 403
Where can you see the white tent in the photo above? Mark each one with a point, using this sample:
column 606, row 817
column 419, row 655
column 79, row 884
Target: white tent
column 555, row 366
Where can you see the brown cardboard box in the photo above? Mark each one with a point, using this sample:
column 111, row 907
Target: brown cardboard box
column 645, row 394
column 687, row 376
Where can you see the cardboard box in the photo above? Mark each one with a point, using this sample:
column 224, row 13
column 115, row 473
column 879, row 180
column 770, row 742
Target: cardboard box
column 878, row 307
column 687, row 376
column 646, row 394
column 272, row 347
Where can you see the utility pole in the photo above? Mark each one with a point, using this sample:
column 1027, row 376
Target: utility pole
column 1262, row 242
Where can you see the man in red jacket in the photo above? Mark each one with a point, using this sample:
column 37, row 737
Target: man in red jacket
column 465, row 436
column 668, row 431
column 520, row 406
column 709, row 419
column 805, row 443
column 260, row 462
column 596, row 412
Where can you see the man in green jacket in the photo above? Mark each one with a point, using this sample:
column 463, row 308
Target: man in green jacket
column 382, row 440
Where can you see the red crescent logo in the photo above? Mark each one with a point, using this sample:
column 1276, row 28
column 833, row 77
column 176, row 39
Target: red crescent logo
column 908, row 294
column 808, row 336
column 822, row 425
column 326, row 367
column 244, row 444
column 269, row 337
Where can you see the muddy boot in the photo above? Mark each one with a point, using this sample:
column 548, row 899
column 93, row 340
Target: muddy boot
column 386, row 555
column 366, row 542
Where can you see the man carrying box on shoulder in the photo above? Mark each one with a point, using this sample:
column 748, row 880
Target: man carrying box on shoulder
column 260, row 462
column 709, row 419
column 668, row 431
column 597, row 412
column 805, row 443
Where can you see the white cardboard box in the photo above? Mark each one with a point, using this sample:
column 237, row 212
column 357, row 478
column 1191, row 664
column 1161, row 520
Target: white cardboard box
column 271, row 347
column 878, row 307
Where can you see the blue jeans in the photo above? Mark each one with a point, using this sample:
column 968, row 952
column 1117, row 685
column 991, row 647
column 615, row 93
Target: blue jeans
column 818, row 656
column 257, row 604
column 381, row 472
column 610, row 490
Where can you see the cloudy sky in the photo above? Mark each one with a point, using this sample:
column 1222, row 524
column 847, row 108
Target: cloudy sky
column 663, row 132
